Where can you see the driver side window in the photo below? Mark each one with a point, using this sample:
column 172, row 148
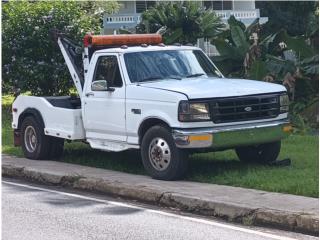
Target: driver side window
column 107, row 68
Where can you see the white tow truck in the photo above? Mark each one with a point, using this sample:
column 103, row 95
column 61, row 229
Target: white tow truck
column 168, row 101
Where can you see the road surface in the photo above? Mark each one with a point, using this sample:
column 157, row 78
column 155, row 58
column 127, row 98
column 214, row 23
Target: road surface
column 32, row 212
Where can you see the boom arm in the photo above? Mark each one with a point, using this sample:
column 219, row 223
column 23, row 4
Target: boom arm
column 71, row 66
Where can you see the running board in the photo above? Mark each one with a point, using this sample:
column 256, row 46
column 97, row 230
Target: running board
column 111, row 146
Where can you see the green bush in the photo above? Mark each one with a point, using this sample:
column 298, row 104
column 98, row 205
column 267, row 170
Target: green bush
column 31, row 59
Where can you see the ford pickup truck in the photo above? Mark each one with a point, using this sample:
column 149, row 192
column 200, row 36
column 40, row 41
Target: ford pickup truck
column 134, row 92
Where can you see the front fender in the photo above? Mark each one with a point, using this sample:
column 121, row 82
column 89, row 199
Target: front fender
column 164, row 112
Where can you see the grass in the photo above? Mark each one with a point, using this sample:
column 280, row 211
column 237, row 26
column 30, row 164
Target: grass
column 300, row 178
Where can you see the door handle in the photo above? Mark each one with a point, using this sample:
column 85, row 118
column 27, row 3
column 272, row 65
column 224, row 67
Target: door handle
column 89, row 94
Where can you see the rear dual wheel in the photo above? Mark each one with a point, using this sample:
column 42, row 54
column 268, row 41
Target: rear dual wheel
column 37, row 145
column 263, row 153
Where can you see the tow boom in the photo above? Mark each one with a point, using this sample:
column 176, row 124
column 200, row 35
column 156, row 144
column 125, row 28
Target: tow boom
column 75, row 74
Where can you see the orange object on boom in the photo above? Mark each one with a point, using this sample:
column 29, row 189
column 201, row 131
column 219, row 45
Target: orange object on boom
column 123, row 39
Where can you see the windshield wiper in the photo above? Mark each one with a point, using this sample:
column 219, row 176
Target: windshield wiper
column 151, row 78
column 158, row 78
column 195, row 75
column 174, row 77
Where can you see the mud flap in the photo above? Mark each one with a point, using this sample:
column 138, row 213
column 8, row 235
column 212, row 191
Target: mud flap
column 283, row 162
column 16, row 138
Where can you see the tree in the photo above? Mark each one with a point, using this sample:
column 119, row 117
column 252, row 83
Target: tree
column 313, row 28
column 31, row 59
column 185, row 22
column 290, row 15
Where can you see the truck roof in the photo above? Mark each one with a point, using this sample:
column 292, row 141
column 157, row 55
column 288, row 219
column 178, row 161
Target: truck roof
column 146, row 48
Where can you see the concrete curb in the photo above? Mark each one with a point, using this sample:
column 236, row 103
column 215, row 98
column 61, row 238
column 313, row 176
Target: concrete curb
column 235, row 212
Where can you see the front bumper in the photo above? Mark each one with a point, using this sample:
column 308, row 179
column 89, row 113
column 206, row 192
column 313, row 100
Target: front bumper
column 232, row 136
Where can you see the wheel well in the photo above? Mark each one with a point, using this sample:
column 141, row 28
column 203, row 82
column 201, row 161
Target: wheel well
column 30, row 112
column 148, row 123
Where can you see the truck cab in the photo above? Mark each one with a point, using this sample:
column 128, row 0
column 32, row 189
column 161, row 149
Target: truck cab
column 167, row 101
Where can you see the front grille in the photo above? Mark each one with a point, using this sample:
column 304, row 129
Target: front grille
column 237, row 109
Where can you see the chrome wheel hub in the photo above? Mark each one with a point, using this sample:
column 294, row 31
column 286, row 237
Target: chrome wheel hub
column 159, row 154
column 30, row 139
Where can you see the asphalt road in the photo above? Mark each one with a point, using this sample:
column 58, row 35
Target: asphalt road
column 38, row 212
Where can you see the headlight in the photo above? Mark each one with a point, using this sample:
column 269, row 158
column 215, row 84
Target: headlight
column 193, row 112
column 284, row 103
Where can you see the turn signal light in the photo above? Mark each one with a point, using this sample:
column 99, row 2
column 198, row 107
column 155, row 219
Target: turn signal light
column 122, row 39
column 287, row 128
column 200, row 138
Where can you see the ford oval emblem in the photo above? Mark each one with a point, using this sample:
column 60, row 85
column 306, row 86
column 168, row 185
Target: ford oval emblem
column 248, row 109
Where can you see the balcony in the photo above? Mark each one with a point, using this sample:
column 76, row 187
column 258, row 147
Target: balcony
column 115, row 21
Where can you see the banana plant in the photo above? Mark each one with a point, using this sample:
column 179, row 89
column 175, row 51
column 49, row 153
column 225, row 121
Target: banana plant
column 233, row 44
column 240, row 48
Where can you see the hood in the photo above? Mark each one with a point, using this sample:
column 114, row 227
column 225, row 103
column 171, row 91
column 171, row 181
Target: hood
column 203, row 87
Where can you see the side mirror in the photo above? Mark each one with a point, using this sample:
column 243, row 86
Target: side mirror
column 101, row 85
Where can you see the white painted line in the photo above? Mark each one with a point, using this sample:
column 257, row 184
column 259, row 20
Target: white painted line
column 204, row 221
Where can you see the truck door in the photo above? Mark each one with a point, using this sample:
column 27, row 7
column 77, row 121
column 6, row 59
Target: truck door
column 104, row 110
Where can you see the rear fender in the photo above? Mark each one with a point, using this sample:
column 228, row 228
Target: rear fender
column 31, row 112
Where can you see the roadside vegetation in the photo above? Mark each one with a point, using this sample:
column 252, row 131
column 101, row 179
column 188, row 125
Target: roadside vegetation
column 300, row 178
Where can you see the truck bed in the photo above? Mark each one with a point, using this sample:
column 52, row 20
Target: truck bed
column 65, row 102
column 62, row 116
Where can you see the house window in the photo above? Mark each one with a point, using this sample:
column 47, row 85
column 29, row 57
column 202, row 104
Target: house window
column 141, row 6
column 218, row 5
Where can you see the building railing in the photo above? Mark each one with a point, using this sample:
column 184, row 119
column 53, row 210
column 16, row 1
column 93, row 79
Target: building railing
column 239, row 14
column 135, row 18
column 122, row 18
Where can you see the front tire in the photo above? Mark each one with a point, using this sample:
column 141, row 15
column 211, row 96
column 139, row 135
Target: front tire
column 160, row 156
column 263, row 153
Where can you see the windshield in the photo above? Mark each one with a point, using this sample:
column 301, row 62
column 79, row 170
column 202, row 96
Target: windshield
column 168, row 64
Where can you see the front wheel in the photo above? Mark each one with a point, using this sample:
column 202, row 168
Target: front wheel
column 160, row 156
column 263, row 153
